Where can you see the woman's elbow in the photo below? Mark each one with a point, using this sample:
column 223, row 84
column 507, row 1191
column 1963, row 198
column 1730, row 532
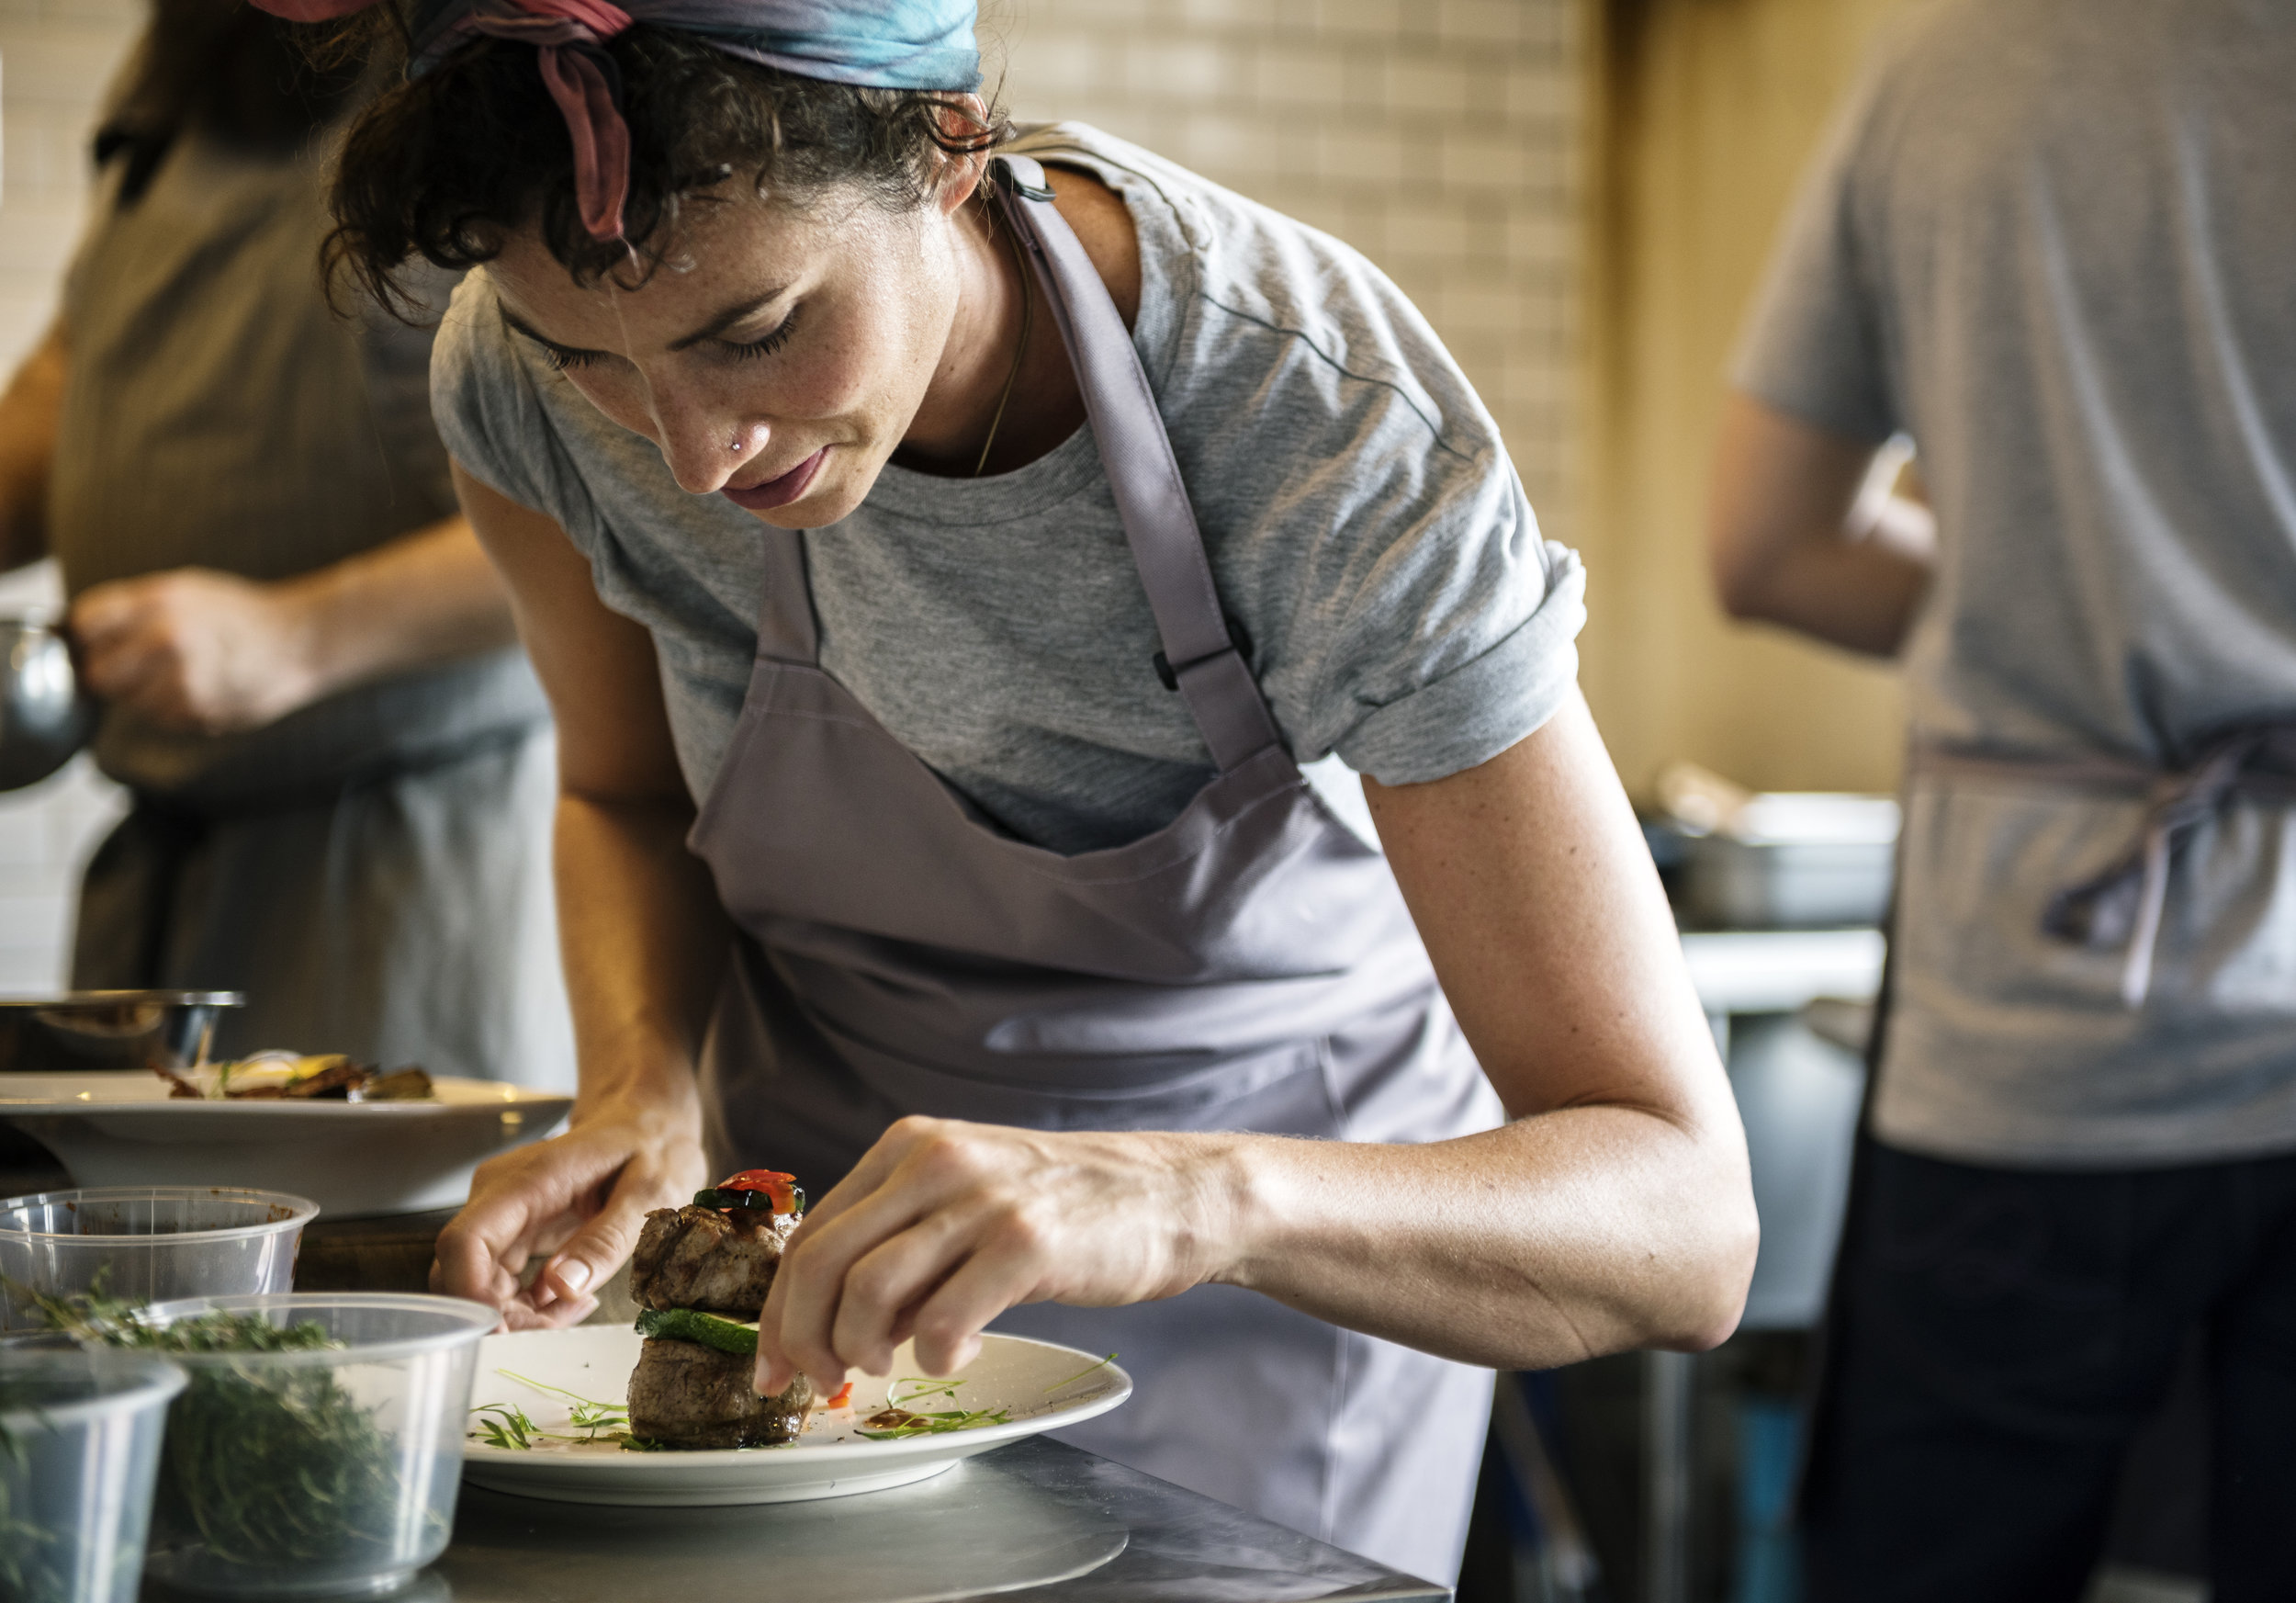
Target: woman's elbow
column 1704, row 1297
column 1713, row 1297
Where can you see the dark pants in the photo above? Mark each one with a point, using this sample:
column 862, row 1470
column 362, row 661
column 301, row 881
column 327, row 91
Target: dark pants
column 1999, row 1335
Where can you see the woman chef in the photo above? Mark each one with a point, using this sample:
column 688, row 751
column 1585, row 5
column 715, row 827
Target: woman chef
column 943, row 551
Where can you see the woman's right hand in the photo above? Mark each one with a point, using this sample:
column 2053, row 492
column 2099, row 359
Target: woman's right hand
column 580, row 1200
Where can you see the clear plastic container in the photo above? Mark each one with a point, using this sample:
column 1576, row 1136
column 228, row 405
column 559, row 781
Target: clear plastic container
column 328, row 1472
column 146, row 1244
column 79, row 1447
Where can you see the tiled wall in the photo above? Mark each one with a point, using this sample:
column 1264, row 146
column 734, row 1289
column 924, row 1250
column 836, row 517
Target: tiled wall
column 1440, row 136
column 56, row 56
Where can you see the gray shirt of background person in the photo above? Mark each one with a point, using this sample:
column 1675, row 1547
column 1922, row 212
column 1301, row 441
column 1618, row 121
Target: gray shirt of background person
column 1365, row 526
column 2056, row 243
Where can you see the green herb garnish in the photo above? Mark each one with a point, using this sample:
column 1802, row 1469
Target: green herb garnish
column 898, row 1422
column 514, row 1428
column 1080, row 1374
column 509, row 1428
column 591, row 1418
column 688, row 1324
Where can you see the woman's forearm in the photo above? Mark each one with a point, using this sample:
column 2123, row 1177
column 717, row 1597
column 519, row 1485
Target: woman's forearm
column 643, row 940
column 645, row 944
column 1617, row 1209
column 644, row 947
column 1556, row 1239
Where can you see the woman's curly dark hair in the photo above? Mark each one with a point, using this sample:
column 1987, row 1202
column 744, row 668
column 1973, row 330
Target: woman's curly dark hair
column 446, row 165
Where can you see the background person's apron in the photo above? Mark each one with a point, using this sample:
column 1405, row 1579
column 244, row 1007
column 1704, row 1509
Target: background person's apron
column 1249, row 966
column 371, row 870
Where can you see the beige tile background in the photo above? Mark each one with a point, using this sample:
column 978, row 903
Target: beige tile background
column 55, row 58
column 1439, row 137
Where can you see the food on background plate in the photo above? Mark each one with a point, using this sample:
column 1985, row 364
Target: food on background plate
column 298, row 1077
column 693, row 1265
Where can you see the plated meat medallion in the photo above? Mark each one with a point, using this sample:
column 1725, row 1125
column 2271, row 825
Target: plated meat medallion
column 693, row 1267
column 709, row 1259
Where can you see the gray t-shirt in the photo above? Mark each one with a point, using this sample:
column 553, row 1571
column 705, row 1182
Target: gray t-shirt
column 2052, row 240
column 1364, row 523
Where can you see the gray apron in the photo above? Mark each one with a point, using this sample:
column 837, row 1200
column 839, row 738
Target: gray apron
column 1249, row 966
column 371, row 870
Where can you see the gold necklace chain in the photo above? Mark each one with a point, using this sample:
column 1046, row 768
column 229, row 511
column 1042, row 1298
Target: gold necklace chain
column 1028, row 318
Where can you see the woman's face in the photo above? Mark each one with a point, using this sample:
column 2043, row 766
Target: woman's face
column 781, row 355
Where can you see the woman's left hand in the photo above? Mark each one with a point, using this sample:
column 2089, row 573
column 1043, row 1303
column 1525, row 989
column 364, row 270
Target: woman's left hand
column 943, row 1226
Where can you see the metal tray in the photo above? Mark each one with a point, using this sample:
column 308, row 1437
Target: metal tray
column 108, row 1029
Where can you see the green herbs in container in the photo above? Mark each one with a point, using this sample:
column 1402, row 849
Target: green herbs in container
column 318, row 1447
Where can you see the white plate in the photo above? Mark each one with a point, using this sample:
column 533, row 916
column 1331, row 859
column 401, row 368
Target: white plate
column 830, row 1459
column 354, row 1159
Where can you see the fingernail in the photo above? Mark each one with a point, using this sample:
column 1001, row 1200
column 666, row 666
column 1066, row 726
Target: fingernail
column 573, row 1274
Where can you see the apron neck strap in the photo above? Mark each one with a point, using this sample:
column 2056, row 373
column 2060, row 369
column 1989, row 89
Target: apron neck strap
column 787, row 629
column 1136, row 454
column 1199, row 649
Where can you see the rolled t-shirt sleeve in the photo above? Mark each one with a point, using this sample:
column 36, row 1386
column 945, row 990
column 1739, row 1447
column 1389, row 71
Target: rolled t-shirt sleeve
column 1366, row 522
column 1468, row 714
column 1813, row 346
column 1457, row 636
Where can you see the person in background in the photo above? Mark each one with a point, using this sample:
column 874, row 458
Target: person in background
column 2052, row 242
column 340, row 763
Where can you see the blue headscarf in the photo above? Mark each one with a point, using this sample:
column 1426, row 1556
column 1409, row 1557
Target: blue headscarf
column 891, row 44
column 894, row 44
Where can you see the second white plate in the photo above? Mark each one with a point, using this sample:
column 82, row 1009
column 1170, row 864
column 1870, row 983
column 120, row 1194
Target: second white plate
column 354, row 1159
column 1042, row 1386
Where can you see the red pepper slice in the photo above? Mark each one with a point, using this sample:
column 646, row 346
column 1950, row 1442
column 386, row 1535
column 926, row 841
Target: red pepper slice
column 778, row 1188
column 844, row 1396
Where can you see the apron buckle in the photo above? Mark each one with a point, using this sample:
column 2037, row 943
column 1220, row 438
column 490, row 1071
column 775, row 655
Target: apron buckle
column 1237, row 638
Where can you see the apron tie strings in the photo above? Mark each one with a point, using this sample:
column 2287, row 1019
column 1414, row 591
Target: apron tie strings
column 2124, row 905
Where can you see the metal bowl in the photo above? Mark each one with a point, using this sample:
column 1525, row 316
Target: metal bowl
column 109, row 1030
column 44, row 718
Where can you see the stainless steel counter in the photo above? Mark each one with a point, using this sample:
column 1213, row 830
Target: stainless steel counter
column 1029, row 1523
